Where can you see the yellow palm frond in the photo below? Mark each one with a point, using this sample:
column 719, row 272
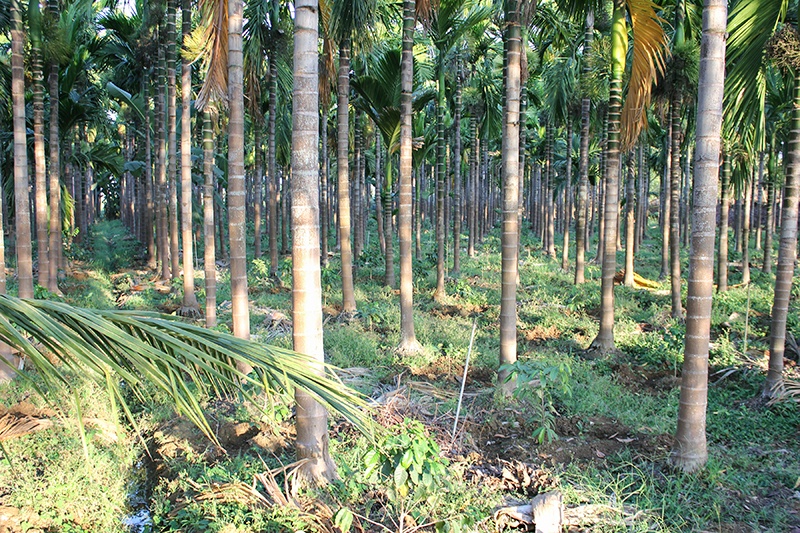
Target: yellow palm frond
column 649, row 55
column 215, row 24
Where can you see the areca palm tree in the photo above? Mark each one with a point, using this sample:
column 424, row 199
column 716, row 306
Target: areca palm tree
column 190, row 306
column 22, row 203
column 346, row 17
column 750, row 29
column 624, row 125
column 447, row 25
column 689, row 451
column 39, row 166
column 312, row 418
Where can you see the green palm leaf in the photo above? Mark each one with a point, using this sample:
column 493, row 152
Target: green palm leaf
column 179, row 359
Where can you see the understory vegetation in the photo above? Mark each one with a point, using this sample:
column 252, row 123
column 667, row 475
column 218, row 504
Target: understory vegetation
column 597, row 430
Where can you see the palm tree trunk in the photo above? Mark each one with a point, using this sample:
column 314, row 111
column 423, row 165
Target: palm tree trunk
column 604, row 341
column 549, row 202
column 172, row 148
column 457, row 213
column 748, row 196
column 472, row 207
column 787, row 254
column 440, row 178
column 236, row 185
column 567, row 199
column 510, row 232
column 272, row 169
column 722, row 254
column 40, row 170
column 689, row 450
column 161, row 180
column 343, row 188
column 355, row 212
column 666, row 202
column 21, row 198
column 387, row 223
column 675, row 198
column 630, row 221
column 209, row 252
column 324, row 211
column 583, row 183
column 56, row 242
column 258, row 186
column 770, row 222
column 408, row 339
column 312, row 419
column 190, row 307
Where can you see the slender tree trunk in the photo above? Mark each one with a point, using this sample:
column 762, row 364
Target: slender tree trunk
column 748, row 196
column 787, row 253
column 343, row 188
column 675, row 198
column 21, row 198
column 387, row 223
column 472, row 209
column 689, row 451
column 770, row 222
column 567, row 199
column 312, row 419
column 324, row 211
column 236, row 185
column 604, row 341
column 630, row 221
column 722, row 255
column 355, row 211
column 161, row 183
column 39, row 167
column 56, row 242
column 408, row 339
column 457, row 213
column 583, row 182
column 551, row 232
column 258, row 185
column 510, row 233
column 190, row 306
column 209, row 253
column 172, row 149
column 272, row 169
column 758, row 201
column 666, row 202
column 440, row 179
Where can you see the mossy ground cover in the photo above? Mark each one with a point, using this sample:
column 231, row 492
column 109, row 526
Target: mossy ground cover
column 609, row 420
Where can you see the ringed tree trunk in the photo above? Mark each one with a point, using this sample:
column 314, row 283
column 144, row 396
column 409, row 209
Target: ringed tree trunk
column 323, row 183
column 21, row 197
column 675, row 198
column 272, row 169
column 236, row 181
column 440, row 178
column 343, row 186
column 387, row 223
column 630, row 221
column 748, row 197
column 209, row 252
column 770, row 222
column 689, row 451
column 666, row 203
column 161, row 185
column 312, row 419
column 604, row 342
column 722, row 255
column 567, row 199
column 457, row 213
column 583, row 182
column 408, row 339
column 55, row 167
column 787, row 254
column 510, row 230
column 149, row 198
column 190, row 307
column 258, row 185
column 40, row 171
column 172, row 149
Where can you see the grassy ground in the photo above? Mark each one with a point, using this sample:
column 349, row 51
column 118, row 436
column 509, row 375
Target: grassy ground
column 599, row 431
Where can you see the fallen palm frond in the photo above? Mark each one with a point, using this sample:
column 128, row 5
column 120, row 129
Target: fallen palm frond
column 13, row 425
column 122, row 350
column 786, row 389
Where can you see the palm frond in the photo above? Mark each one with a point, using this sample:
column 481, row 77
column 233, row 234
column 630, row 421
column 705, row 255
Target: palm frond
column 120, row 350
column 215, row 22
column 750, row 26
column 649, row 54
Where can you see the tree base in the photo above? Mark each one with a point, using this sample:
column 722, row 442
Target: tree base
column 407, row 348
column 189, row 311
